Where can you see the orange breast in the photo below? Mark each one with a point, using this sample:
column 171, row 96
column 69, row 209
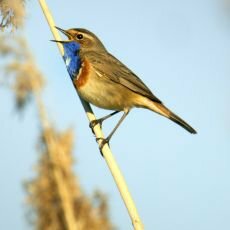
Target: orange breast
column 83, row 75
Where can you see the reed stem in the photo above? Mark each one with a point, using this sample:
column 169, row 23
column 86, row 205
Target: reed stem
column 108, row 156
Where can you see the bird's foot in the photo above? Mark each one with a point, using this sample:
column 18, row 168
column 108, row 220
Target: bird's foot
column 93, row 123
column 102, row 143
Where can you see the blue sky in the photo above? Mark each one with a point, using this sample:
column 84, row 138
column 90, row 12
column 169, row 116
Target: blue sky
column 180, row 49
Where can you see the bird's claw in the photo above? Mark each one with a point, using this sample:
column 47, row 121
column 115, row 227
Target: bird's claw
column 102, row 143
column 93, row 123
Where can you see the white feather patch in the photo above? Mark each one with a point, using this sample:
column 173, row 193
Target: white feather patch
column 67, row 61
column 79, row 73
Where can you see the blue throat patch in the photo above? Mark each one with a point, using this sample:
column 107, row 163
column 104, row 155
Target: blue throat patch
column 72, row 58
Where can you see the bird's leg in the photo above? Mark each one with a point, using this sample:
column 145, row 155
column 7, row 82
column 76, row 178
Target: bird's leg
column 99, row 121
column 107, row 139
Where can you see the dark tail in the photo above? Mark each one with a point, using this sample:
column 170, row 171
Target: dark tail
column 161, row 109
column 182, row 123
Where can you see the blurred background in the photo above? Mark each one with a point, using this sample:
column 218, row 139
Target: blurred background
column 180, row 49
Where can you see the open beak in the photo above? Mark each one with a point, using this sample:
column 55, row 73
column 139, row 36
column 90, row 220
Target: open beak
column 64, row 32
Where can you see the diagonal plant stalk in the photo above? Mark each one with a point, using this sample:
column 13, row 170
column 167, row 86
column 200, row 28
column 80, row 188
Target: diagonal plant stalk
column 108, row 156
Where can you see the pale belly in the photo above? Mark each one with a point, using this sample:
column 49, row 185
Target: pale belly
column 106, row 94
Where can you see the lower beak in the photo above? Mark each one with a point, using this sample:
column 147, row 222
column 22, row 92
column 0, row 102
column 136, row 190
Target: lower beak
column 58, row 41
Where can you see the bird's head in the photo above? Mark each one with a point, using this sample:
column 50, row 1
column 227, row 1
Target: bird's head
column 86, row 40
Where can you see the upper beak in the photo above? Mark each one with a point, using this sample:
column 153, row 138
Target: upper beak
column 64, row 32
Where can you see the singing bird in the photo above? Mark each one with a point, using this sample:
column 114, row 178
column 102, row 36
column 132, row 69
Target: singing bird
column 104, row 81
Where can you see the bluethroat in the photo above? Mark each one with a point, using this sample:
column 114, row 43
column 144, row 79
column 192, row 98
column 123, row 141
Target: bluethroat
column 105, row 82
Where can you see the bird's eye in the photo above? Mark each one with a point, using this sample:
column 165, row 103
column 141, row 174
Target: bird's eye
column 79, row 36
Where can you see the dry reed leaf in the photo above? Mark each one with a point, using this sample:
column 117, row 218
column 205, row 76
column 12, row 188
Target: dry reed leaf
column 20, row 67
column 12, row 13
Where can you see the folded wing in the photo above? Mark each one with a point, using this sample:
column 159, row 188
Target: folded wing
column 112, row 69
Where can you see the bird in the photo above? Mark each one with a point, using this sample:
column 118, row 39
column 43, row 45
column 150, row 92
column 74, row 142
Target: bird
column 104, row 81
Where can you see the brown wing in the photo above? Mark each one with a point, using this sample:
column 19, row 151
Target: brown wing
column 111, row 68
